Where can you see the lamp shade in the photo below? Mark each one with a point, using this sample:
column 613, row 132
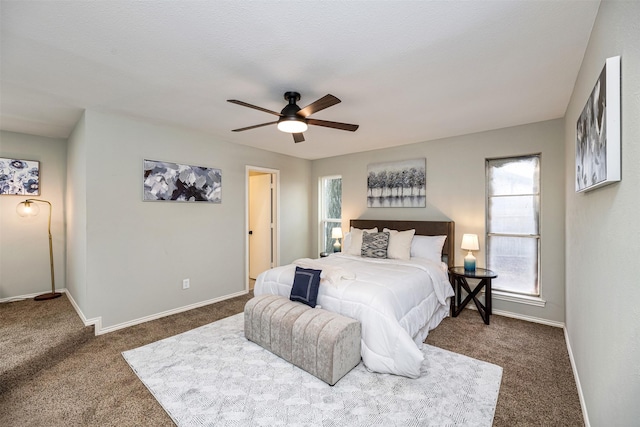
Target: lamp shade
column 27, row 208
column 336, row 233
column 470, row 242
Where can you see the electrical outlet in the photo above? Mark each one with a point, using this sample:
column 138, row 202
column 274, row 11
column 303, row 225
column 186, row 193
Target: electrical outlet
column 185, row 284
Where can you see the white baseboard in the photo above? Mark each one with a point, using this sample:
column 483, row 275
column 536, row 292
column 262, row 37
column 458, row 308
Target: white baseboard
column 101, row 331
column 521, row 317
column 29, row 296
column 574, row 368
column 529, row 318
column 96, row 321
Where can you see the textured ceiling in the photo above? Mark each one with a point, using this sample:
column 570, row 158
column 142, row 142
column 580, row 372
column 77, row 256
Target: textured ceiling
column 406, row 71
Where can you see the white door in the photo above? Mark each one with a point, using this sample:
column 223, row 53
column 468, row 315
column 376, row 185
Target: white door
column 260, row 219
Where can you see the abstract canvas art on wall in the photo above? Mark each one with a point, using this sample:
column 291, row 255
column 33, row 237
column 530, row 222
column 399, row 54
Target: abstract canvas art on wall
column 598, row 132
column 173, row 181
column 397, row 184
column 19, row 177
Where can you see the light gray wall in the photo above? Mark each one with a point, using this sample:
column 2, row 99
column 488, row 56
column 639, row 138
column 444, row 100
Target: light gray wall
column 138, row 253
column 24, row 242
column 602, row 235
column 456, row 190
column 76, row 202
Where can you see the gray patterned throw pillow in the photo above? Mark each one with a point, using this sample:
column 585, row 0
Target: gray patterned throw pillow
column 374, row 245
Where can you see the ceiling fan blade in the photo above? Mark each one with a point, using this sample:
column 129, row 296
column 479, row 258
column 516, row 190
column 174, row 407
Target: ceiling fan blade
column 334, row 125
column 254, row 126
column 298, row 137
column 322, row 103
column 255, row 107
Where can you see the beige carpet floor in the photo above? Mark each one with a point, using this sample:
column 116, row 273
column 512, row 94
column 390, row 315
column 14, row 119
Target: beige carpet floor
column 54, row 372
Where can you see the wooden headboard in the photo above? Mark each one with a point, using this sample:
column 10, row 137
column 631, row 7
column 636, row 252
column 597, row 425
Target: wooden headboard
column 423, row 228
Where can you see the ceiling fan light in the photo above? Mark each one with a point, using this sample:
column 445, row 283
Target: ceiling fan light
column 292, row 125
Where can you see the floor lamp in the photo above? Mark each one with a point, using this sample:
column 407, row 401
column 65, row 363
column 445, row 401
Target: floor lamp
column 30, row 208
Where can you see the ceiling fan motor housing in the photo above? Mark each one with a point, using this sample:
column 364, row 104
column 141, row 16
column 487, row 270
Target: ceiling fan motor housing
column 290, row 110
column 292, row 97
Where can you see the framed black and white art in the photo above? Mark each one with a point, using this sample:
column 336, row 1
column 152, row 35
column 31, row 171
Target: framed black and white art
column 183, row 183
column 397, row 184
column 598, row 132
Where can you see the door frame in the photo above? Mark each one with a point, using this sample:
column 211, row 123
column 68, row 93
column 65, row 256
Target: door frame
column 275, row 203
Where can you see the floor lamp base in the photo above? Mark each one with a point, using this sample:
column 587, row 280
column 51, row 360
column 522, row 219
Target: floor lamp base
column 50, row 295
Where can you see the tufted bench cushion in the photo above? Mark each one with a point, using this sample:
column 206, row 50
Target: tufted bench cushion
column 323, row 343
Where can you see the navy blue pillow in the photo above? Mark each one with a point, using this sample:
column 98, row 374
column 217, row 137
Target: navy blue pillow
column 305, row 286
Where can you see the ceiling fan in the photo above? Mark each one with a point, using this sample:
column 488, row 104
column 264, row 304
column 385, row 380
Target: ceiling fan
column 294, row 120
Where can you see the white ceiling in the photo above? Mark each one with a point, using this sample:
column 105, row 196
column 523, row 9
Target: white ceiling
column 406, row 71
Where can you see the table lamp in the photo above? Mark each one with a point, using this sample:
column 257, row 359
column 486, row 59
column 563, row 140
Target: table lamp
column 470, row 243
column 336, row 233
column 30, row 208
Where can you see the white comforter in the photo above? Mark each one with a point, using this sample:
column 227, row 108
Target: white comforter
column 397, row 303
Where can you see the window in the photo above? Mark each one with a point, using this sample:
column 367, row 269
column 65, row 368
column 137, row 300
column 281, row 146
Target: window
column 513, row 223
column 330, row 209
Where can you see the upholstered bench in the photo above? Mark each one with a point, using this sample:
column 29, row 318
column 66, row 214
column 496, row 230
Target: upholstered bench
column 323, row 343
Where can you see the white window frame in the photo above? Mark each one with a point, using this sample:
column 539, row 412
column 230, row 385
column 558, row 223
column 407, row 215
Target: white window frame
column 507, row 295
column 322, row 242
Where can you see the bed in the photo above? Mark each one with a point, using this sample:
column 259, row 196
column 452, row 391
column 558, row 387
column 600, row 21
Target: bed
column 398, row 301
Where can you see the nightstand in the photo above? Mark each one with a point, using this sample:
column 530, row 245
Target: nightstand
column 458, row 277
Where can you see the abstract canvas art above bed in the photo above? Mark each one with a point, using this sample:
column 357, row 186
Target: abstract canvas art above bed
column 173, row 181
column 397, row 184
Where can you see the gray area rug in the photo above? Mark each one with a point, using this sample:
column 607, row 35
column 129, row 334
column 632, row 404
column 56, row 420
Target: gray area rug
column 213, row 376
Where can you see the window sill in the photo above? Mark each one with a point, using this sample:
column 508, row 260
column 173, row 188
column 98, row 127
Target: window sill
column 521, row 299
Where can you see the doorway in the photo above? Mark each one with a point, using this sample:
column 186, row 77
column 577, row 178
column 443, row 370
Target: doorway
column 261, row 222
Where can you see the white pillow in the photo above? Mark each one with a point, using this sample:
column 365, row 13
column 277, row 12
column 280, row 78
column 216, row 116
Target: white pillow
column 346, row 242
column 399, row 243
column 355, row 243
column 429, row 247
